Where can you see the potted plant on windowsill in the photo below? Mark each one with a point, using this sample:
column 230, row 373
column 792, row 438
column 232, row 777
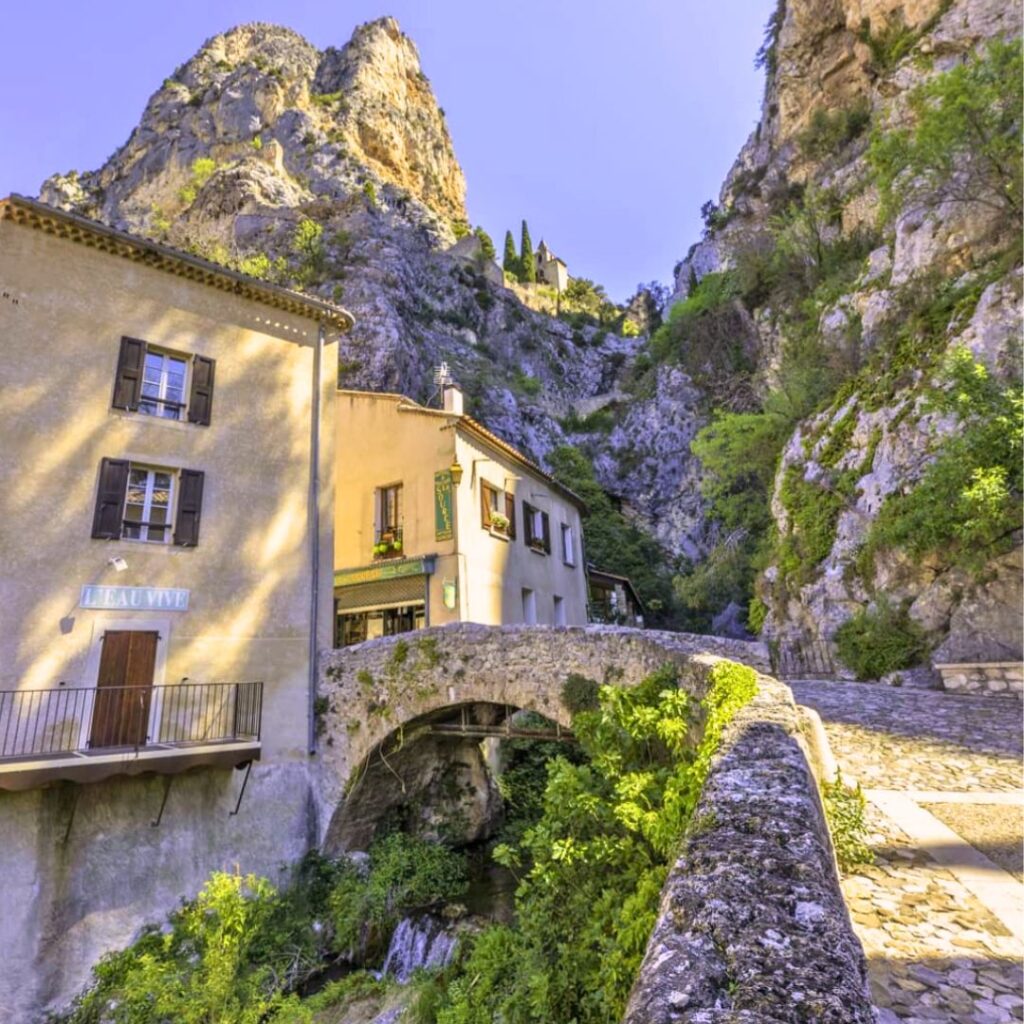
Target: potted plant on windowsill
column 499, row 524
column 395, row 547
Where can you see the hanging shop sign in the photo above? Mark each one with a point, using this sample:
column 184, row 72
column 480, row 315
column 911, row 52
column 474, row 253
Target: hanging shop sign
column 443, row 505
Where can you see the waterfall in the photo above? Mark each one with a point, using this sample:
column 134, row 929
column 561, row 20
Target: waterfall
column 421, row 941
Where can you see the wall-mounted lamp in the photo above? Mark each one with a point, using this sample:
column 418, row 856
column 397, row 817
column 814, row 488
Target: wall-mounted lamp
column 118, row 563
column 456, row 471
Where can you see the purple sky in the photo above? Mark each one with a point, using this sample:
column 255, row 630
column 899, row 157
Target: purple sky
column 606, row 123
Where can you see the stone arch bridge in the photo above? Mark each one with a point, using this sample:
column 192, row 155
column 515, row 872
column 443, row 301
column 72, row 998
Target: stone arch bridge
column 380, row 695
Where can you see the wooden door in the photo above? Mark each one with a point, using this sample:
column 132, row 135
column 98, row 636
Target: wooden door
column 124, row 689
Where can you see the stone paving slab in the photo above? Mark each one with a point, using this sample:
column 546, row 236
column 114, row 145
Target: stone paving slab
column 935, row 951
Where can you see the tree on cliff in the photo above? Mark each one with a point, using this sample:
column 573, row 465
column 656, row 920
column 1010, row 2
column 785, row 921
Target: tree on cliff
column 527, row 263
column 509, row 260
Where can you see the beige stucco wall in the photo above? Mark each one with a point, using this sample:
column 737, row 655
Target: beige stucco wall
column 495, row 570
column 382, row 440
column 249, row 576
column 82, row 878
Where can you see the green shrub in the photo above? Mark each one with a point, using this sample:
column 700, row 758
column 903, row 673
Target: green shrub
column 370, row 194
column 831, row 130
column 487, row 249
column 227, row 956
column 706, row 334
column 880, row 640
column 527, row 385
column 406, row 874
column 598, row 857
column 200, row 173
column 964, row 143
column 580, row 693
column 308, row 245
column 844, row 809
column 966, row 507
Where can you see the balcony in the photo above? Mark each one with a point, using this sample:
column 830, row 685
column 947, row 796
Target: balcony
column 388, row 544
column 84, row 734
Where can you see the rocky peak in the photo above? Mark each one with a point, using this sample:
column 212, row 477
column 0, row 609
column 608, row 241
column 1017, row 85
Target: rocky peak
column 285, row 122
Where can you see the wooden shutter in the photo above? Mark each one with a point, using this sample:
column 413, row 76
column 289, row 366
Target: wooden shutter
column 128, row 382
column 527, row 523
column 200, row 399
column 510, row 515
column 485, row 506
column 546, row 526
column 110, row 495
column 190, row 504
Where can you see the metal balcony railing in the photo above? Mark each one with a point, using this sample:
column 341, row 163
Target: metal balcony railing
column 89, row 720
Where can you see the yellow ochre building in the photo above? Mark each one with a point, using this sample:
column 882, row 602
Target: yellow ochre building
column 439, row 520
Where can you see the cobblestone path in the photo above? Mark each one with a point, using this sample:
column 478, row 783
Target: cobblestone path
column 941, row 925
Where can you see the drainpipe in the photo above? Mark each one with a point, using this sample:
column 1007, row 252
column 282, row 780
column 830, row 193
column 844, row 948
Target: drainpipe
column 314, row 538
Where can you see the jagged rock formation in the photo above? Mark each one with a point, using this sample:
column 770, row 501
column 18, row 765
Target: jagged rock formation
column 860, row 59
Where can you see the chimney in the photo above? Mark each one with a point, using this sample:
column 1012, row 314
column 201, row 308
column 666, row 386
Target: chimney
column 452, row 398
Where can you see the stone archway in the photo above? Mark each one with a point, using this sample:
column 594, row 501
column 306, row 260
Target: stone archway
column 375, row 689
column 432, row 776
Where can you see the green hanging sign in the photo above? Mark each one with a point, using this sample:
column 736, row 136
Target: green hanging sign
column 443, row 505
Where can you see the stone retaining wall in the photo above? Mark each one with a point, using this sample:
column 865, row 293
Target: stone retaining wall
column 752, row 925
column 979, row 678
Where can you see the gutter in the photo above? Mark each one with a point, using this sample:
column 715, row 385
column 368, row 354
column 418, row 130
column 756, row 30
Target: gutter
column 314, row 538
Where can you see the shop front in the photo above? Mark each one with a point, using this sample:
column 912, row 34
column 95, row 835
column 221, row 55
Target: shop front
column 381, row 600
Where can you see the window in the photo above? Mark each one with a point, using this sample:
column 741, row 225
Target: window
column 497, row 510
column 157, row 504
column 163, row 385
column 529, row 607
column 568, row 545
column 167, row 385
column 387, row 513
column 147, row 509
column 559, row 611
column 537, row 529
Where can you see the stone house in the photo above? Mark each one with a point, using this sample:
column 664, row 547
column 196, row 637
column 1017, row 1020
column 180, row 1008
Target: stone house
column 550, row 269
column 613, row 599
column 438, row 520
column 167, row 506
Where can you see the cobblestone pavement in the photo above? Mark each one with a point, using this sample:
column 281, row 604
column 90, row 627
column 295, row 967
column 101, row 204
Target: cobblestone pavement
column 935, row 951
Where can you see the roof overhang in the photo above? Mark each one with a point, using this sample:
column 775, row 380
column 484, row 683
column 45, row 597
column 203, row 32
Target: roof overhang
column 76, row 228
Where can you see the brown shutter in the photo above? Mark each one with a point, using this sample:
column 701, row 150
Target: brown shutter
column 128, row 382
column 190, row 504
column 485, row 507
column 527, row 523
column 200, row 399
column 510, row 515
column 546, row 524
column 110, row 495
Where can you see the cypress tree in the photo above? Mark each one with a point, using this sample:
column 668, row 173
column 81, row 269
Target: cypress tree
column 527, row 262
column 509, row 261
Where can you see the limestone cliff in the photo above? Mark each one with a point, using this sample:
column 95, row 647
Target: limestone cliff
column 940, row 273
